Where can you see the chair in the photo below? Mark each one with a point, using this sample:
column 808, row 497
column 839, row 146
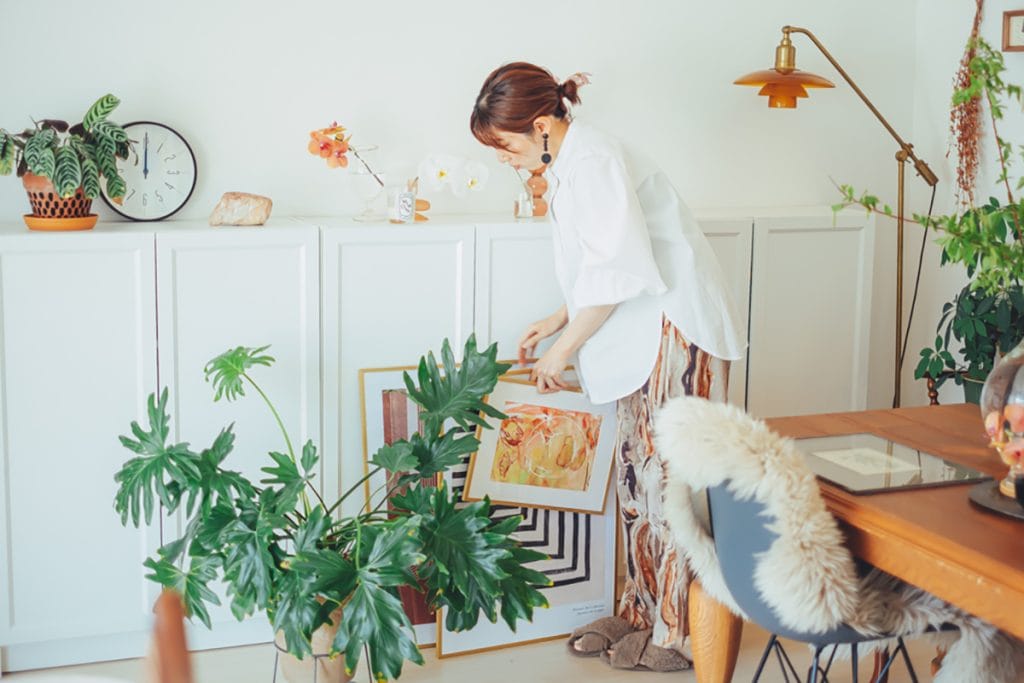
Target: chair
column 772, row 553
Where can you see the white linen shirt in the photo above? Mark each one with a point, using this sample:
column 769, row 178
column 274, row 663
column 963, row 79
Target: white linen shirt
column 623, row 236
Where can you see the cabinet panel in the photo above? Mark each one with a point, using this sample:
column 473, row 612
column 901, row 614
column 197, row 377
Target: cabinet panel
column 810, row 315
column 238, row 287
column 389, row 296
column 77, row 360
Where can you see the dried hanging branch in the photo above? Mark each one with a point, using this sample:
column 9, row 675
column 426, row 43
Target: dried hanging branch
column 965, row 123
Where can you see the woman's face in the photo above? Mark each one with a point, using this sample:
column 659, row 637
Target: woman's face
column 520, row 150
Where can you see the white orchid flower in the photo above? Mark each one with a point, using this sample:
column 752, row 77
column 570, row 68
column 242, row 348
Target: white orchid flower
column 477, row 174
column 438, row 170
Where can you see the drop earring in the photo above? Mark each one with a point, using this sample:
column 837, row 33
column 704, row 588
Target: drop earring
column 545, row 157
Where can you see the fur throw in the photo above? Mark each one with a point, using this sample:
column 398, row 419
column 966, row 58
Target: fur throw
column 807, row 576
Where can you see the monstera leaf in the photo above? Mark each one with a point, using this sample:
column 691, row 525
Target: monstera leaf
column 190, row 584
column 227, row 370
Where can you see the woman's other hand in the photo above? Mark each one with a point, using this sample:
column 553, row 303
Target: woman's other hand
column 539, row 331
column 547, row 372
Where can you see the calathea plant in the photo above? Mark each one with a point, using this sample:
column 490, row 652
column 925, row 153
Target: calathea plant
column 279, row 547
column 71, row 156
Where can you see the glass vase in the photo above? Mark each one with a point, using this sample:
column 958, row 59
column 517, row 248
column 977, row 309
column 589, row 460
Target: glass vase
column 1002, row 407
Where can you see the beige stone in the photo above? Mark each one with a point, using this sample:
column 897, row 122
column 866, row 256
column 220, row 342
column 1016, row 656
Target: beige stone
column 241, row 208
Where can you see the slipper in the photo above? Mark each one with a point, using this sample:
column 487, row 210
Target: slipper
column 596, row 637
column 636, row 651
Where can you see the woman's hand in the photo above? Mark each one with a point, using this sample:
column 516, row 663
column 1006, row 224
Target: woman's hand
column 547, row 372
column 540, row 330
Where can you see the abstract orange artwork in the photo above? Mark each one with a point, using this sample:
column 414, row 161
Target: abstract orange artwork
column 546, row 447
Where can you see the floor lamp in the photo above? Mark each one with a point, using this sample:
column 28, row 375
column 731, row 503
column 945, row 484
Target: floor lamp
column 783, row 85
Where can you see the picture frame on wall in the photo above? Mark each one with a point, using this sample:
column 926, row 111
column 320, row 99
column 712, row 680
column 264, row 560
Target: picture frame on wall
column 1013, row 31
column 552, row 451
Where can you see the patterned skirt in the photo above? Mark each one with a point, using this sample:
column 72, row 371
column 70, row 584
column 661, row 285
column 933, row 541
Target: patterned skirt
column 657, row 579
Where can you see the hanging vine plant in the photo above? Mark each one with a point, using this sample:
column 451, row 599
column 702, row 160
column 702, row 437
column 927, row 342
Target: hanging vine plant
column 965, row 121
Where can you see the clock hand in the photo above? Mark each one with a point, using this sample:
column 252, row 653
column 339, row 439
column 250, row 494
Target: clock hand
column 145, row 156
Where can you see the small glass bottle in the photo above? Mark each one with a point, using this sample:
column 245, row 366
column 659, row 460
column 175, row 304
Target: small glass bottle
column 523, row 205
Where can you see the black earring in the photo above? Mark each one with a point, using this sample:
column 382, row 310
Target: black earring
column 545, row 157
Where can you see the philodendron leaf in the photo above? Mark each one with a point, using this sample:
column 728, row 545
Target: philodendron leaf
column 458, row 393
column 286, row 475
column 249, row 566
column 434, row 455
column 309, row 459
column 191, row 584
column 227, row 370
column 396, row 457
column 99, row 111
column 39, row 153
column 67, row 174
column 160, row 470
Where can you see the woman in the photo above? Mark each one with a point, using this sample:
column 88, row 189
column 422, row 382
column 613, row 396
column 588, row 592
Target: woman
column 646, row 317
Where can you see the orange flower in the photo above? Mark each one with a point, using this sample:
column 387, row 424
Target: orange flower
column 1014, row 414
column 1013, row 452
column 331, row 144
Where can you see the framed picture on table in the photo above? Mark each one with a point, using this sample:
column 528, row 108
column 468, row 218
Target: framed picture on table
column 552, row 451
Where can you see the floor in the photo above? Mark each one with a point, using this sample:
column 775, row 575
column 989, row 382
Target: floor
column 540, row 663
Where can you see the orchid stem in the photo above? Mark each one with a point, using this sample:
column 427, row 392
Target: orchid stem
column 367, row 166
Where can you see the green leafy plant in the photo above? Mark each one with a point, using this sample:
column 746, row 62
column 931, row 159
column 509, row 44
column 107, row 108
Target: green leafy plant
column 281, row 548
column 987, row 316
column 71, row 156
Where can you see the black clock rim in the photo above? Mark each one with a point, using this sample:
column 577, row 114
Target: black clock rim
column 195, row 177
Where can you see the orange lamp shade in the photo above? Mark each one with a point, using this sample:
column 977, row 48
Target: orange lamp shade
column 783, row 88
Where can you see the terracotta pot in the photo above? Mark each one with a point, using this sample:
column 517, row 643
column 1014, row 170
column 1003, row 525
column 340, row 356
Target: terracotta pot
column 328, row 670
column 46, row 203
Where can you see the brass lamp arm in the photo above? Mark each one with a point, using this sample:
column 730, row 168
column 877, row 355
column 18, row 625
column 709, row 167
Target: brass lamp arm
column 785, row 59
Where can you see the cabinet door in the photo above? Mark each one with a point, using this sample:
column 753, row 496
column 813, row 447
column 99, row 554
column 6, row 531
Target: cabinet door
column 390, row 294
column 731, row 240
column 77, row 361
column 219, row 289
column 515, row 283
column 810, row 314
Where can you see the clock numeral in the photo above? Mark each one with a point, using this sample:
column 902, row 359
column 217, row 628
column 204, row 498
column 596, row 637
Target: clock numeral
column 158, row 196
column 130, row 195
column 174, row 173
column 160, row 147
column 173, row 156
column 169, row 186
column 145, row 199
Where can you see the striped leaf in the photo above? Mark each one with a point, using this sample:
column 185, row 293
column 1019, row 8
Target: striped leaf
column 90, row 178
column 115, row 188
column 39, row 153
column 104, row 150
column 110, row 130
column 7, row 152
column 67, row 175
column 99, row 111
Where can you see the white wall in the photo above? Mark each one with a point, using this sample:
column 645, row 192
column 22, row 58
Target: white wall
column 244, row 82
column 943, row 29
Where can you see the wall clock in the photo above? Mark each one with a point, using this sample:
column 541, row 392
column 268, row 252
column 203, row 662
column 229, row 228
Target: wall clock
column 160, row 176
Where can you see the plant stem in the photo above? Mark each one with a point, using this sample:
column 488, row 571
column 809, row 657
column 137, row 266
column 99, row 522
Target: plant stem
column 366, row 166
column 352, row 490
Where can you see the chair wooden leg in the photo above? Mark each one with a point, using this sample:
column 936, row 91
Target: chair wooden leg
column 714, row 637
column 881, row 657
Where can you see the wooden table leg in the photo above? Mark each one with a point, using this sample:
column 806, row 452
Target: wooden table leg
column 714, row 637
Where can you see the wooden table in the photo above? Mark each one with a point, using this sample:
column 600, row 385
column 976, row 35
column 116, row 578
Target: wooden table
column 934, row 538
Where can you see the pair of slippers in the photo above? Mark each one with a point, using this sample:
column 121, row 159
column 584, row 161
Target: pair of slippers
column 622, row 647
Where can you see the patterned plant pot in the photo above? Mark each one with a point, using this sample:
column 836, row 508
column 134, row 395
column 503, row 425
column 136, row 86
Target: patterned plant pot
column 50, row 211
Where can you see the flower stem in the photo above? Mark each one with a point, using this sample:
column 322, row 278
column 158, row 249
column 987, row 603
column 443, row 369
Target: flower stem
column 366, row 166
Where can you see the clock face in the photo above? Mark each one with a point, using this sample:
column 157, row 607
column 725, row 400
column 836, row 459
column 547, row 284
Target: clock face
column 160, row 173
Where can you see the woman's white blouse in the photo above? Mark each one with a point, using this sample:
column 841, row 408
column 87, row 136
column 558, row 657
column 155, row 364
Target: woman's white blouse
column 623, row 236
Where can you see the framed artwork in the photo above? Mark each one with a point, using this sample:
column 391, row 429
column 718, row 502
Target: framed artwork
column 582, row 551
column 1013, row 31
column 389, row 415
column 553, row 451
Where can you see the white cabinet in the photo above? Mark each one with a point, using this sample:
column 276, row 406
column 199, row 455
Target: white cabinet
column 390, row 294
column 77, row 360
column 810, row 314
column 218, row 289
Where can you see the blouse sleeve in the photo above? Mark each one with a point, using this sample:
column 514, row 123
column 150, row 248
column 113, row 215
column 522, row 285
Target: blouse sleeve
column 617, row 262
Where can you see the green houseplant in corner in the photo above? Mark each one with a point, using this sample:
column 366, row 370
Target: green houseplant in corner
column 987, row 316
column 62, row 165
column 280, row 548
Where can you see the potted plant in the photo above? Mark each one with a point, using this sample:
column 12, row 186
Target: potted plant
column 62, row 165
column 279, row 547
column 987, row 315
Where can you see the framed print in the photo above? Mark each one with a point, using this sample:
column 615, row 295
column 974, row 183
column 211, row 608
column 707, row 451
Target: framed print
column 582, row 564
column 552, row 451
column 389, row 415
column 1013, row 31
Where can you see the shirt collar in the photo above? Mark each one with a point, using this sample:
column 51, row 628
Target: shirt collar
column 564, row 151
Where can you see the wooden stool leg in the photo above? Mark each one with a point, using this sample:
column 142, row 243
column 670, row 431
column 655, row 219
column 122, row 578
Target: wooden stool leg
column 714, row 637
